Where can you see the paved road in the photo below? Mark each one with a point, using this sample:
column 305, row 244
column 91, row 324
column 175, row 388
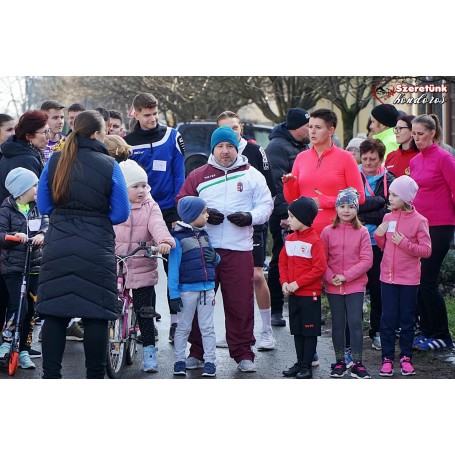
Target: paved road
column 270, row 364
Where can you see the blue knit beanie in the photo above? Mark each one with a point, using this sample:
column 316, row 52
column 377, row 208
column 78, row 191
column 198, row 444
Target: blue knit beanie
column 348, row 196
column 224, row 134
column 190, row 207
column 20, row 180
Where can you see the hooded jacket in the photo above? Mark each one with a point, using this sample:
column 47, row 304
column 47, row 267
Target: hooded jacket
column 145, row 224
column 282, row 150
column 238, row 188
column 401, row 263
column 17, row 153
column 349, row 253
column 12, row 220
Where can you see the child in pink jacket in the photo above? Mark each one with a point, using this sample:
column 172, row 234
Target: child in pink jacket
column 349, row 257
column 145, row 224
column 404, row 236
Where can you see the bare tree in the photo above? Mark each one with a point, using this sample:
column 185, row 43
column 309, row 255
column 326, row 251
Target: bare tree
column 350, row 94
column 12, row 95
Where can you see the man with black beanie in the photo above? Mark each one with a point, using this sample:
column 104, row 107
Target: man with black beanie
column 287, row 140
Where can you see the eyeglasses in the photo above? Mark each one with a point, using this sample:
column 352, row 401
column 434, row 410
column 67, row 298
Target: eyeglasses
column 398, row 129
column 45, row 132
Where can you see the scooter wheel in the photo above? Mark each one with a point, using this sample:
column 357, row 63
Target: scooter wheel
column 13, row 361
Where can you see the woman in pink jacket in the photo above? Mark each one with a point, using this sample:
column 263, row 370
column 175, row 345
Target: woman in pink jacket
column 145, row 224
column 349, row 257
column 405, row 238
column 433, row 169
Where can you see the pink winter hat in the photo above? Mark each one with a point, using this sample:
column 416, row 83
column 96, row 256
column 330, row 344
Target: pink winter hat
column 405, row 188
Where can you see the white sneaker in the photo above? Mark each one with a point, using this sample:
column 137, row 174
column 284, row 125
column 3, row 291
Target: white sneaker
column 267, row 342
column 377, row 343
column 192, row 363
column 247, row 366
column 222, row 343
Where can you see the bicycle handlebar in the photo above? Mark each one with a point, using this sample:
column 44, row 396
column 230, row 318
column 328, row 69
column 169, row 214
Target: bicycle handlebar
column 151, row 251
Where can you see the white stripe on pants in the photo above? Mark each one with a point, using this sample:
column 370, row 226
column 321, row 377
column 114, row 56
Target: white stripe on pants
column 204, row 303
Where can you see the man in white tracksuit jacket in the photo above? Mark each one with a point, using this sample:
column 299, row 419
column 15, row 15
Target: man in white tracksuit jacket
column 237, row 198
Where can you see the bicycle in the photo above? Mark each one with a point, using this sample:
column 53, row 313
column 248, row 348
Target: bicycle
column 123, row 331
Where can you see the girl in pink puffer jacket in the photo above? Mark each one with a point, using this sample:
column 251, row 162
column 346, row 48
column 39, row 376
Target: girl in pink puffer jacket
column 349, row 257
column 145, row 224
column 405, row 238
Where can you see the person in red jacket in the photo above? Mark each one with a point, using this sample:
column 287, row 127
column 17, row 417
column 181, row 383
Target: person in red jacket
column 405, row 238
column 349, row 257
column 302, row 264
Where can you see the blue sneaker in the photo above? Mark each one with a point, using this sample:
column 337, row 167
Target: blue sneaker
column 179, row 368
column 418, row 340
column 209, row 369
column 435, row 344
column 348, row 358
column 150, row 361
column 315, row 362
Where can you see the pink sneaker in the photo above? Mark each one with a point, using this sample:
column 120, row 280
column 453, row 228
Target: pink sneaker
column 387, row 367
column 406, row 366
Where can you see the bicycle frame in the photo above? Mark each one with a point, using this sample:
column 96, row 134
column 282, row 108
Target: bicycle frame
column 122, row 340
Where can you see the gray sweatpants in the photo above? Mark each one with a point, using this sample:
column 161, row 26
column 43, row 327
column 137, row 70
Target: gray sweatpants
column 348, row 307
column 204, row 303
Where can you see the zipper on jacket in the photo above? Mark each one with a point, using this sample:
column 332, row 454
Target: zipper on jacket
column 394, row 250
column 203, row 257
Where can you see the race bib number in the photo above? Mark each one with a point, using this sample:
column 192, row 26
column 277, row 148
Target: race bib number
column 392, row 226
column 34, row 225
column 159, row 165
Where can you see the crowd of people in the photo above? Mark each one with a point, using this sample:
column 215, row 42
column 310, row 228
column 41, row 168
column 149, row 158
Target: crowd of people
column 378, row 217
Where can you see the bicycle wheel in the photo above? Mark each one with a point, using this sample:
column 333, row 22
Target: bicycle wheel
column 116, row 350
column 131, row 343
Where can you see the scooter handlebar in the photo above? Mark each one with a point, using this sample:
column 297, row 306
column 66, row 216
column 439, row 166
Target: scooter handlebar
column 12, row 238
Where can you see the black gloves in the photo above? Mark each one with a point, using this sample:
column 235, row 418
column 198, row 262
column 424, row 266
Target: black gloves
column 210, row 255
column 215, row 216
column 176, row 304
column 240, row 219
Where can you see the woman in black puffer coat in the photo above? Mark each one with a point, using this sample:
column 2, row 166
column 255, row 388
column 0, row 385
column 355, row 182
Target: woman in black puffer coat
column 83, row 190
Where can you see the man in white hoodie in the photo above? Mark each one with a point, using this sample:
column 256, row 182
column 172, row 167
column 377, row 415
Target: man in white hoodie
column 237, row 198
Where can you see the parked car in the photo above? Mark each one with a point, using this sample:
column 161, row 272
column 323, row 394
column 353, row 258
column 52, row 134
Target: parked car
column 197, row 133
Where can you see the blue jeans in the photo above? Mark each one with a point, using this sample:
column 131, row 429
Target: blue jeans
column 399, row 308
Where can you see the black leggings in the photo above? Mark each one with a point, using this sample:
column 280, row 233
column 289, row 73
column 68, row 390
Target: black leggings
column 144, row 306
column 53, row 345
column 431, row 304
column 374, row 287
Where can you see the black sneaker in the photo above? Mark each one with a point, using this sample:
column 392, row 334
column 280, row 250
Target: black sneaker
column 339, row 369
column 278, row 320
column 305, row 372
column 172, row 332
column 292, row 372
column 359, row 371
column 34, row 354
